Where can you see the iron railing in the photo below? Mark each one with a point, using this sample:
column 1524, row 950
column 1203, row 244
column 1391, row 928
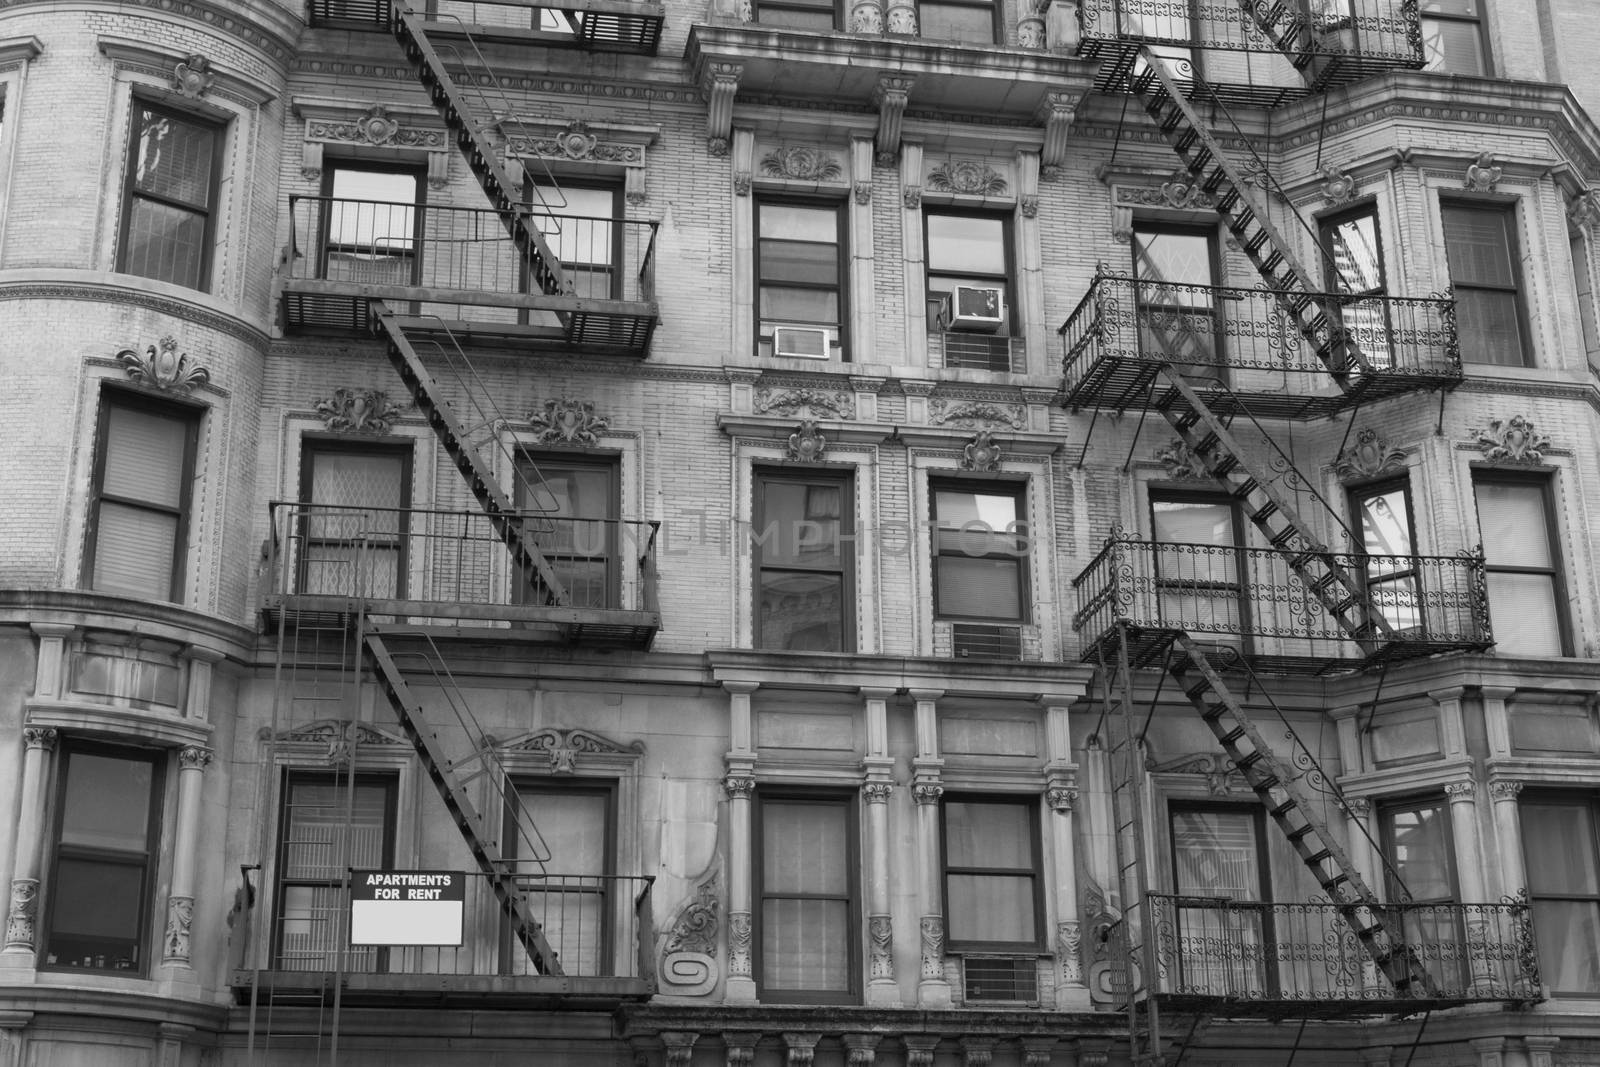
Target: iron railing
column 1219, row 947
column 449, row 557
column 1253, row 598
column 465, row 250
column 1389, row 31
column 1244, row 338
column 600, row 926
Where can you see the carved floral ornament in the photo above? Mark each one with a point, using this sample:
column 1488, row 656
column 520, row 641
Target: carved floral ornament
column 968, row 176
column 802, row 163
column 1482, row 175
column 1583, row 209
column 1369, row 457
column 163, row 367
column 1512, row 440
column 1337, row 186
column 576, row 142
column 807, row 443
column 192, row 76
column 565, row 748
column 1177, row 192
column 568, row 422
column 358, row 411
column 1180, row 463
column 981, row 453
column 977, row 414
column 817, row 403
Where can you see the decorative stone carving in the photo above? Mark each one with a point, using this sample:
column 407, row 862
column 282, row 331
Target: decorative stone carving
column 976, row 414
column 1029, row 206
column 1180, row 463
column 977, row 1051
column 1466, row 790
column 802, row 1048
column 680, row 1046
column 863, row 192
column 163, row 367
column 927, row 792
column 20, row 919
column 1504, row 789
column 861, row 1050
column 358, row 411
column 1359, row 807
column 932, row 928
column 739, row 944
column 1037, row 1051
column 1069, row 949
column 336, row 737
column 1369, row 457
column 1583, row 209
column 981, row 453
column 902, row 19
column 564, row 747
column 1221, row 776
column 877, row 792
column 1253, row 172
column 911, row 197
column 1337, row 186
column 1482, row 175
column 802, row 163
column 721, row 84
column 689, row 956
column 1512, row 440
column 568, row 422
column 375, row 126
column 1179, row 192
column 194, row 757
column 738, row 786
column 192, row 77
column 1061, row 798
column 1030, row 25
column 180, row 914
column 741, row 184
column 967, row 176
column 815, row 403
column 866, row 17
column 880, row 931
column 919, row 1050
column 578, row 143
column 807, row 443
column 740, row 1049
column 1055, row 113
column 44, row 737
column 893, row 91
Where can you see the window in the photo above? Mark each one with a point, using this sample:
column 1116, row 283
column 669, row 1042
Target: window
column 353, row 527
column 1526, row 595
column 1353, row 262
column 169, row 203
column 572, row 501
column 970, row 295
column 820, row 15
column 1562, row 857
column 139, row 509
column 991, row 881
column 1388, row 540
column 1219, row 851
column 1482, row 250
column 103, row 873
column 1175, row 272
column 800, row 277
column 1452, row 37
column 579, row 223
column 329, row 824
column 1198, row 563
column 372, row 228
column 807, row 924
column 1583, row 286
column 980, row 549
column 1421, row 876
column 803, row 539
column 561, row 839
column 967, row 21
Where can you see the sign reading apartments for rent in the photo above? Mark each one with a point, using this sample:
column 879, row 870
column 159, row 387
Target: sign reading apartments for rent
column 407, row 907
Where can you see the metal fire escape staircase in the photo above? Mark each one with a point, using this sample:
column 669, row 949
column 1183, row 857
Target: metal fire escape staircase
column 1188, row 405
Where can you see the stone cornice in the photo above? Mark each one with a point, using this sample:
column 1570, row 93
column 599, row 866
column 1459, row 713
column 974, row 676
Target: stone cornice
column 14, row 51
column 128, row 50
column 112, row 294
column 98, row 611
column 267, row 28
column 848, row 673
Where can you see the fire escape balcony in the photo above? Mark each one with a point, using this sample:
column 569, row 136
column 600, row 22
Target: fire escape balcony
column 627, row 26
column 1249, row 958
column 1249, row 348
column 1250, row 603
column 458, row 272
column 599, row 926
column 1260, row 53
column 431, row 565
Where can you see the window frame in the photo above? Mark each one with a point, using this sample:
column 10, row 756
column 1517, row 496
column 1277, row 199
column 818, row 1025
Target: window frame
column 1035, row 874
column 848, row 802
column 838, row 9
column 1355, row 496
column 533, row 196
column 146, row 404
column 1219, row 355
column 141, row 105
column 533, row 784
column 1545, row 483
column 765, row 340
column 996, row 10
column 1267, row 927
column 844, row 481
column 416, row 171
column 530, row 460
column 1018, row 493
column 289, row 777
column 1569, row 798
column 311, row 446
column 1007, row 246
column 1485, row 59
column 1506, row 212
column 1181, row 494
column 151, row 855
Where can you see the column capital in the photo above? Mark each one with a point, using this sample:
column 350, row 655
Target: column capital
column 201, row 654
column 194, row 757
column 1502, row 789
column 1061, row 798
column 977, row 1051
column 1448, row 693
column 1059, row 700
column 877, row 792
column 740, row 1048
column 1360, row 807
column 919, row 1049
column 680, row 1046
column 1497, row 692
column 52, row 629
column 802, row 1048
column 1462, row 792
column 874, row 692
column 741, row 686
column 927, row 792
column 861, row 1049
column 1036, row 1051
column 44, row 737
column 738, row 786
column 925, row 694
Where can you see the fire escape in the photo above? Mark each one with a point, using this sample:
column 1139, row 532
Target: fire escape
column 1139, row 343
column 360, row 591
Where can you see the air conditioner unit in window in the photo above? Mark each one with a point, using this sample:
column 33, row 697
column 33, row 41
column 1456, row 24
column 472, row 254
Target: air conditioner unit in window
column 1010, row 979
column 977, row 308
column 802, row 342
column 985, row 641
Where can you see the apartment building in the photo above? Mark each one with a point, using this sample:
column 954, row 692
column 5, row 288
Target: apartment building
column 927, row 532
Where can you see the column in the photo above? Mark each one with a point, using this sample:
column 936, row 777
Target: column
column 192, row 761
column 933, row 991
column 1497, row 718
column 882, row 989
column 22, row 915
column 1030, row 259
column 740, row 783
column 1490, row 1051
column 1452, row 731
column 1359, row 832
column 12, row 1025
column 1061, row 796
column 861, row 1050
column 1469, row 877
column 739, row 1049
column 1541, row 1049
column 913, row 256
column 1508, row 839
column 863, row 269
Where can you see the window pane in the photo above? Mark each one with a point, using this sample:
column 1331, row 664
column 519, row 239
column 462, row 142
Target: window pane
column 1385, row 526
column 979, row 834
column 805, row 945
column 1478, row 245
column 1352, row 249
column 804, row 848
column 800, row 305
column 361, row 480
column 1558, row 841
column 569, row 831
column 800, row 523
column 956, row 22
column 96, row 914
column 986, row 588
column 145, row 454
column 1568, row 934
column 1200, row 522
column 133, row 551
column 796, row 222
column 1489, row 328
column 1177, row 258
column 802, row 612
column 165, row 243
column 799, row 261
column 322, row 839
column 174, row 158
column 1511, row 521
column 991, row 907
column 1452, row 45
column 1419, row 847
column 1214, row 854
column 1524, row 614
column 962, row 244
column 107, row 802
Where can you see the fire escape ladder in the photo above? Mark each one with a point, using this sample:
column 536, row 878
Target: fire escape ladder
column 1125, row 764
column 1342, row 594
column 526, row 558
column 527, row 930
column 1280, row 791
column 1316, row 317
column 545, row 268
